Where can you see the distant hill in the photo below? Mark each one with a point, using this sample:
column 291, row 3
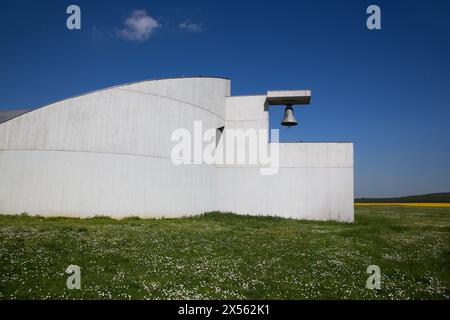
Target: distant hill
column 432, row 197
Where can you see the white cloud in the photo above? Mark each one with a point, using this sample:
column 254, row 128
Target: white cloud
column 139, row 26
column 190, row 26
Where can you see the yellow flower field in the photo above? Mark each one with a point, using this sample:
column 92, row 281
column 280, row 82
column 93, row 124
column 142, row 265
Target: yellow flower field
column 409, row 204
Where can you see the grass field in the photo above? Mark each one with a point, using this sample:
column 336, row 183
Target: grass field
column 227, row 256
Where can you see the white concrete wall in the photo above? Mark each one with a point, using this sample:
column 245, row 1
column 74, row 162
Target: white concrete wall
column 126, row 120
column 301, row 189
column 108, row 153
column 314, row 181
column 61, row 183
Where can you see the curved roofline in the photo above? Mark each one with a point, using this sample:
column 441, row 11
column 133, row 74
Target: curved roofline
column 114, row 87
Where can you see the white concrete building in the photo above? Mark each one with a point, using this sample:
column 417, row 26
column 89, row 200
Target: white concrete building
column 109, row 153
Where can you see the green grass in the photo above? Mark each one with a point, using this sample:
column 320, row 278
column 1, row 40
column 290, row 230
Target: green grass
column 424, row 198
column 226, row 256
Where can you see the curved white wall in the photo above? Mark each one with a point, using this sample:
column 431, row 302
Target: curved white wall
column 108, row 152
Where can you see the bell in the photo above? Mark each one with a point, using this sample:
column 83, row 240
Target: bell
column 289, row 119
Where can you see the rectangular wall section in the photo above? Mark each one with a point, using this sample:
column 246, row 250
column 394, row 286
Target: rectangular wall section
column 82, row 184
column 313, row 181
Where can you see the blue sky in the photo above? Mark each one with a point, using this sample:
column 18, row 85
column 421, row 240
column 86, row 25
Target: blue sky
column 386, row 90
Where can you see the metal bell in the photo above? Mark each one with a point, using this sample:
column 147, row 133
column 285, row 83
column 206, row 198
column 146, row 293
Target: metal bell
column 289, row 119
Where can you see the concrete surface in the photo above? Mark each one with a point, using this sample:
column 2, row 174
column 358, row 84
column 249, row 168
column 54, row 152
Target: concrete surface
column 108, row 153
